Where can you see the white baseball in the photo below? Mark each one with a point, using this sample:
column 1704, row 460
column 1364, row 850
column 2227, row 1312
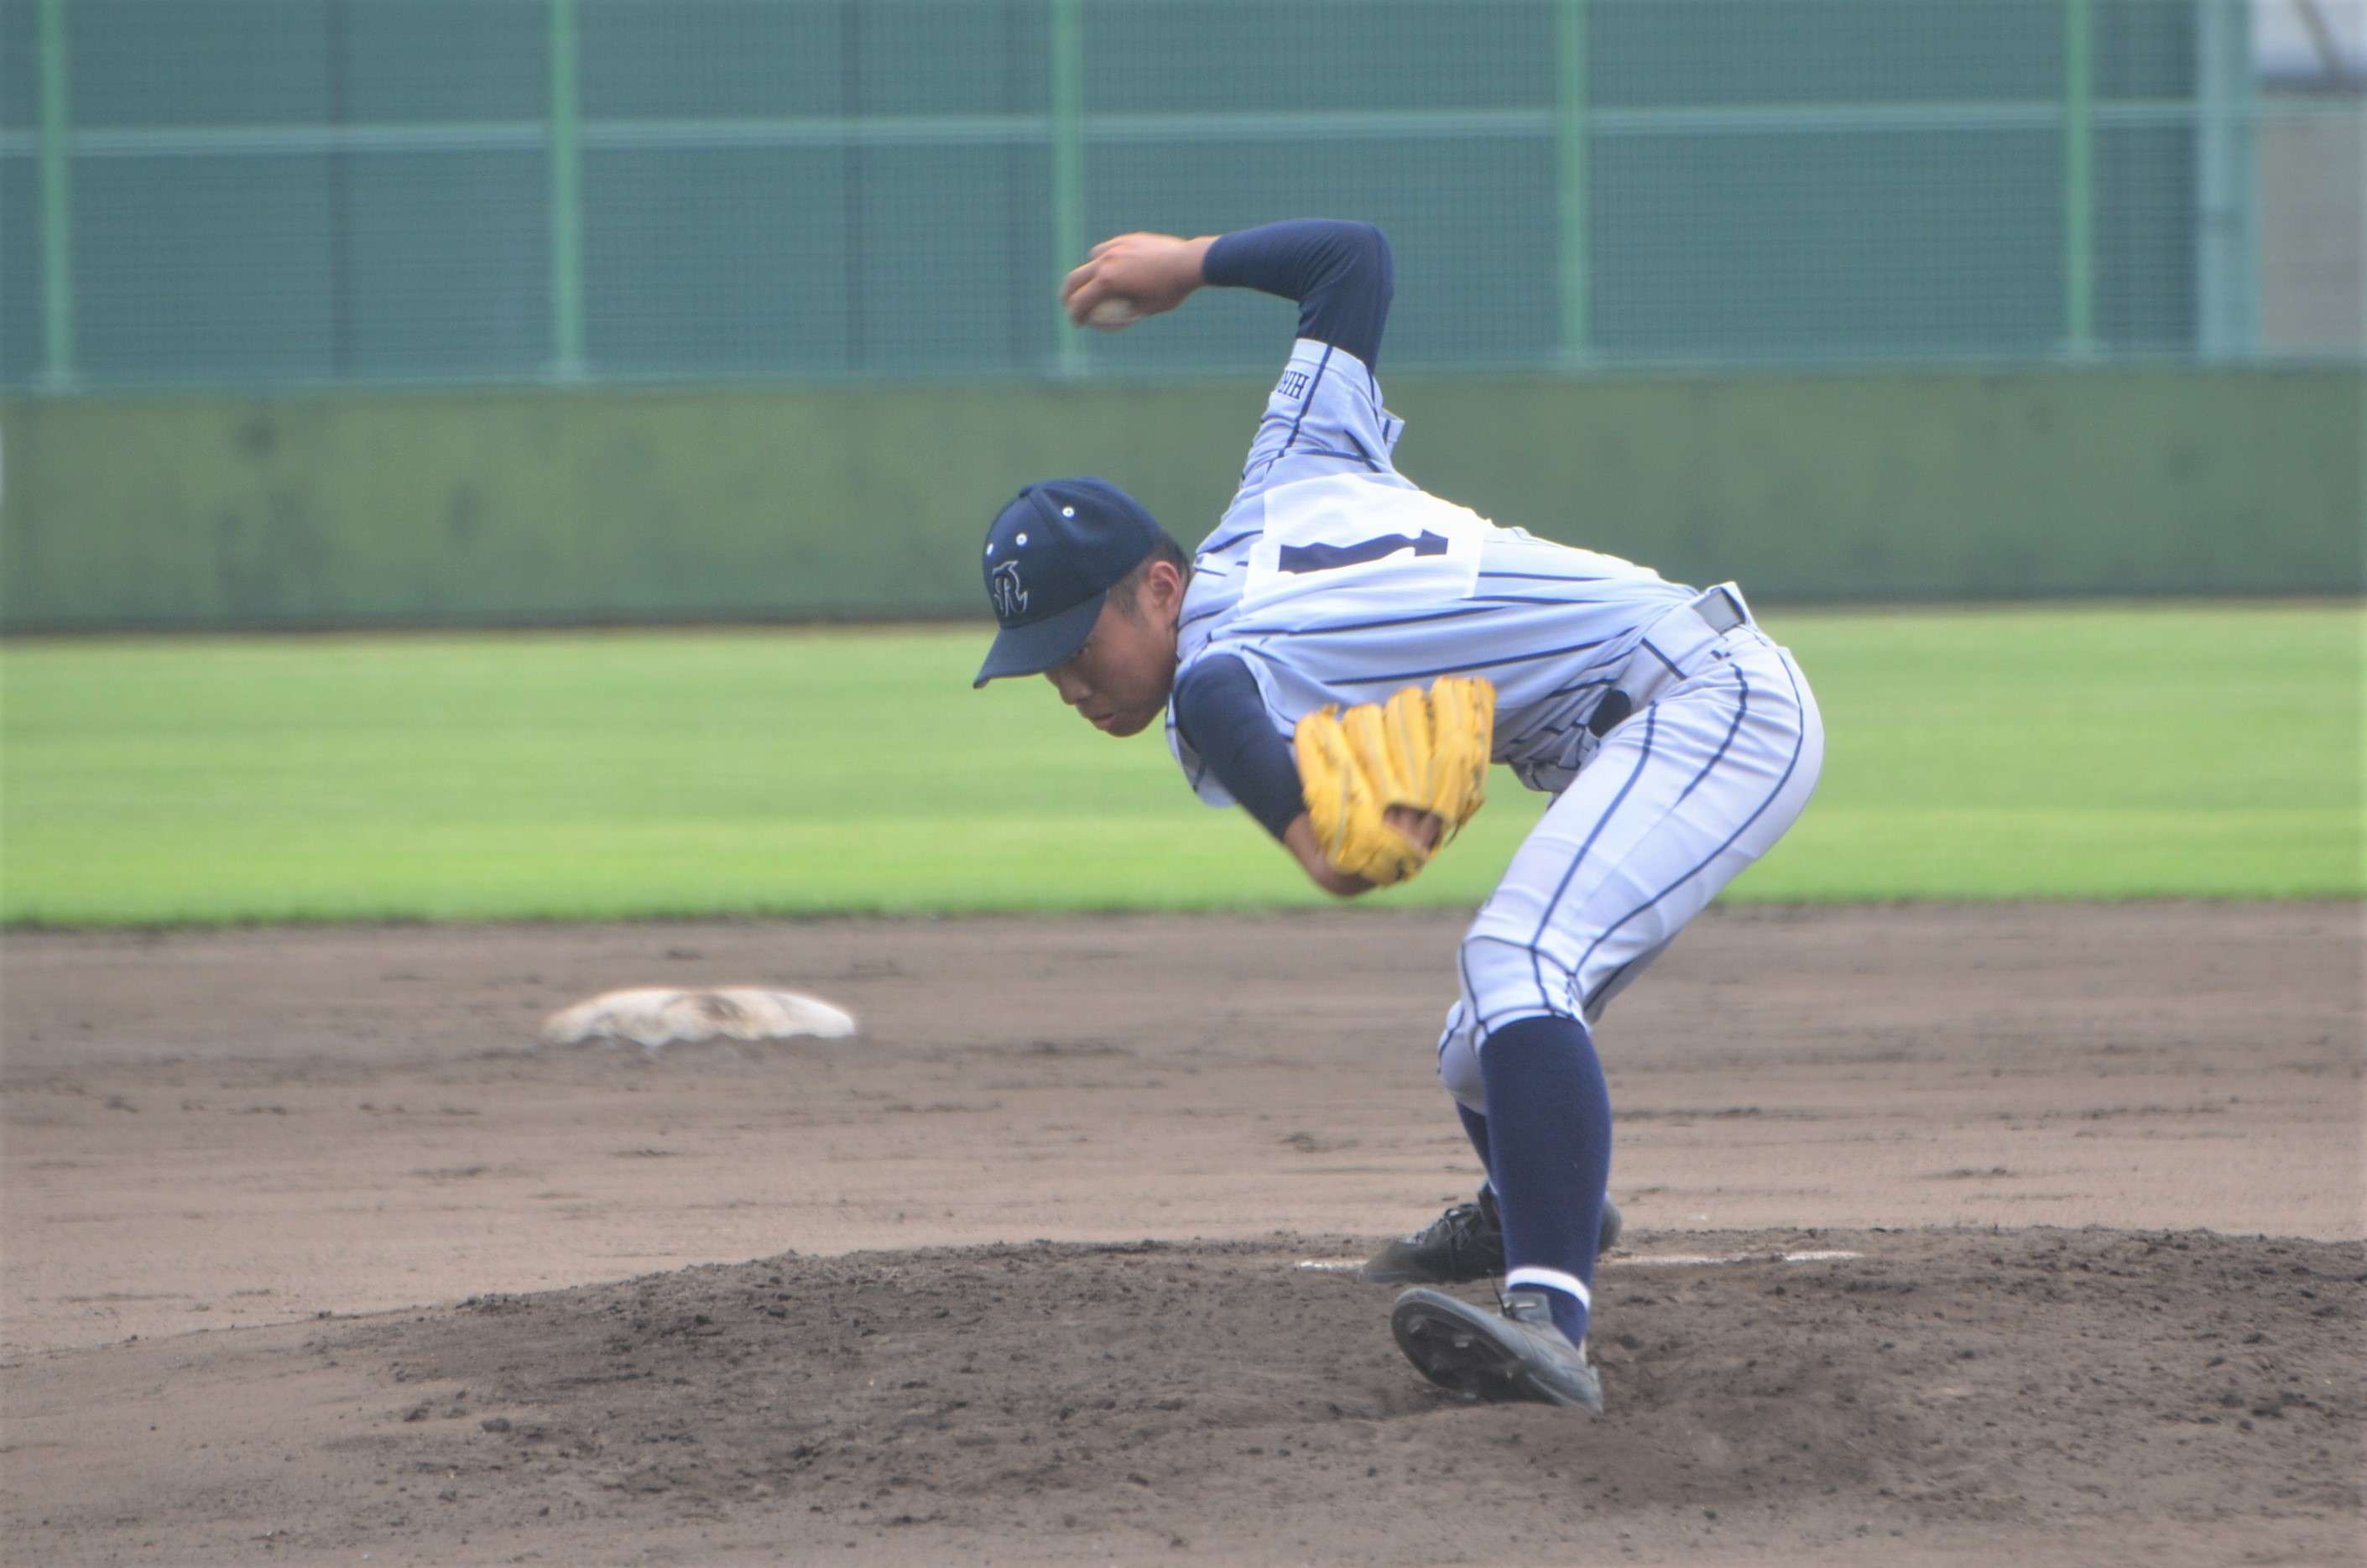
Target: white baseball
column 1113, row 312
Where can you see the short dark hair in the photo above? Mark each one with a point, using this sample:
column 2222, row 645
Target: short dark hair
column 1124, row 591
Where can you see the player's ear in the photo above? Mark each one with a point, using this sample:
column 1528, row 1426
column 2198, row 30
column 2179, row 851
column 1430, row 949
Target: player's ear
column 1165, row 584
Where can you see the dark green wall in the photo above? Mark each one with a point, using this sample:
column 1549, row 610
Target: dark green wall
column 542, row 506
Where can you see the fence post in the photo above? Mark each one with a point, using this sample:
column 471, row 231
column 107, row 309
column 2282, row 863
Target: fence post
column 2226, row 208
column 1571, row 107
column 2079, row 181
column 1068, row 128
column 566, row 199
column 57, row 201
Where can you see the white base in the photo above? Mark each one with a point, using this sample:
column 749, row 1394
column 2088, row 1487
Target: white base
column 655, row 1017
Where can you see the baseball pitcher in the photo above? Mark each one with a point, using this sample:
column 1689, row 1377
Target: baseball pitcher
column 1342, row 656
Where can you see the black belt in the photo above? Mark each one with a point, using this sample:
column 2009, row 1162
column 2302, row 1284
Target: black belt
column 1718, row 610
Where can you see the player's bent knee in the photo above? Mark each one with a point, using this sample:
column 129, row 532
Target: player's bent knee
column 1458, row 1060
column 1509, row 980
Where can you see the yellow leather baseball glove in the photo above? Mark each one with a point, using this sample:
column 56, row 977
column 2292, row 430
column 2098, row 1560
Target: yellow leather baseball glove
column 1426, row 750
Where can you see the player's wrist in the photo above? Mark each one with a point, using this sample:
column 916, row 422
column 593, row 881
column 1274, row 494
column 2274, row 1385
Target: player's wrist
column 1186, row 264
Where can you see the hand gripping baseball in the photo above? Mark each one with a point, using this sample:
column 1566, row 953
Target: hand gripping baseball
column 1421, row 751
column 1133, row 276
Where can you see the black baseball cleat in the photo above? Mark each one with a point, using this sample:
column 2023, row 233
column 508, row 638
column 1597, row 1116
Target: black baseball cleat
column 1464, row 1243
column 1502, row 1358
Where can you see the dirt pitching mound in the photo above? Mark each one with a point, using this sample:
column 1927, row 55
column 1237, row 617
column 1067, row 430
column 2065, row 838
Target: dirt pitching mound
column 2177, row 1397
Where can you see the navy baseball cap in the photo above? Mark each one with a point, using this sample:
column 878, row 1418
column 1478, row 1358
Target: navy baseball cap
column 1050, row 559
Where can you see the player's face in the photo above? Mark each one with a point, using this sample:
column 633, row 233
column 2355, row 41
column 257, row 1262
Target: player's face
column 1119, row 679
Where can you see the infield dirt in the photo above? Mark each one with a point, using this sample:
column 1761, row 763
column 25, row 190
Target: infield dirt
column 2102, row 1166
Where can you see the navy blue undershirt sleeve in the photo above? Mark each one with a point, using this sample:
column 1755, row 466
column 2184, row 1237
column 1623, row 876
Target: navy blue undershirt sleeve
column 1223, row 718
column 1339, row 273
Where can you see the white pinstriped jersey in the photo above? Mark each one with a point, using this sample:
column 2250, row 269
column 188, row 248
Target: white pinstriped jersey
column 1337, row 580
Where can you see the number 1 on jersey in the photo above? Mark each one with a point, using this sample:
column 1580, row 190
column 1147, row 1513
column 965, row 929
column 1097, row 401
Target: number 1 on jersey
column 1325, row 558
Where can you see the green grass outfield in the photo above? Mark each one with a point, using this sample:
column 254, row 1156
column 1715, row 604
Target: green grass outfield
column 2210, row 751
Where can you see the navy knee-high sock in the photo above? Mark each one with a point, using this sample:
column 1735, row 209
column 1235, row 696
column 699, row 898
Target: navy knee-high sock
column 1549, row 1156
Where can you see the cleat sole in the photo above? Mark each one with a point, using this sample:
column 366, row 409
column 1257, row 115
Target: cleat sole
column 1459, row 1348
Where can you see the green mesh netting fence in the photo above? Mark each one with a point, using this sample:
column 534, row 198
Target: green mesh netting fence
column 239, row 192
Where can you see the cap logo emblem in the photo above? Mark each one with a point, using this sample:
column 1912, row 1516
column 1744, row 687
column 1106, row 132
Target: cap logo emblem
column 1010, row 595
